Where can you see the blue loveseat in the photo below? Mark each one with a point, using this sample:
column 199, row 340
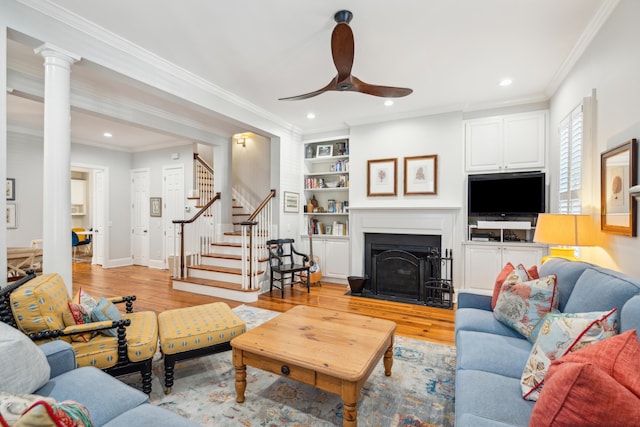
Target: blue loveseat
column 491, row 356
column 49, row 370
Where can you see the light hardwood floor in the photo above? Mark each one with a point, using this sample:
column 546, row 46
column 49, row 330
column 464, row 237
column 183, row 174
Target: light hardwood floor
column 154, row 292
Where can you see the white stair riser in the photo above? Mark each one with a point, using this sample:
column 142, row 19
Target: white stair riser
column 226, row 250
column 221, row 262
column 215, row 275
column 234, row 239
column 217, row 292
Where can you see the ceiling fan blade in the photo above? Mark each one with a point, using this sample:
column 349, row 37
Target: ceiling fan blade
column 377, row 90
column 330, row 86
column 342, row 49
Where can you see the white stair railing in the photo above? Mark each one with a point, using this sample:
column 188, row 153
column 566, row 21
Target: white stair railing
column 202, row 180
column 255, row 232
column 194, row 236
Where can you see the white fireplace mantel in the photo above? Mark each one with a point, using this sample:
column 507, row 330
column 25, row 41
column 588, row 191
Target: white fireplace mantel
column 437, row 220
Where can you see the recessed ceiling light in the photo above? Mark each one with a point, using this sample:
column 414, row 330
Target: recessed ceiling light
column 107, row 135
column 311, row 116
column 388, row 103
column 505, row 82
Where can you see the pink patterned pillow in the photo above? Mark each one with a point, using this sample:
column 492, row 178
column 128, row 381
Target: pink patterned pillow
column 522, row 305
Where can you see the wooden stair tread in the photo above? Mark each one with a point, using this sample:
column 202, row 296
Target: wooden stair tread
column 240, row 214
column 228, row 270
column 239, row 233
column 216, row 284
column 228, row 244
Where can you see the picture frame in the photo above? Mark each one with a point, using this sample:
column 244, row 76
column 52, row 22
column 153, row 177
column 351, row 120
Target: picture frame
column 11, row 188
column 291, row 202
column 155, row 207
column 12, row 215
column 421, row 175
column 382, row 177
column 324, row 151
column 618, row 172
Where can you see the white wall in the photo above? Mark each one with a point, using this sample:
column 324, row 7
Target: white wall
column 250, row 169
column 440, row 134
column 25, row 164
column 155, row 161
column 610, row 65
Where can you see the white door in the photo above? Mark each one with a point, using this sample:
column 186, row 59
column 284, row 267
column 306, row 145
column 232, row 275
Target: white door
column 174, row 201
column 140, row 216
column 100, row 231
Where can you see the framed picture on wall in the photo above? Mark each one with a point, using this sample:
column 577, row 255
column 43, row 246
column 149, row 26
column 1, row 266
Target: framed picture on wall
column 11, row 188
column 155, row 206
column 618, row 172
column 421, row 175
column 12, row 215
column 382, row 178
column 291, row 202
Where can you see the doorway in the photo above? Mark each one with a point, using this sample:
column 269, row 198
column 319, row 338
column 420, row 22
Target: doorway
column 90, row 208
column 174, row 201
column 140, row 216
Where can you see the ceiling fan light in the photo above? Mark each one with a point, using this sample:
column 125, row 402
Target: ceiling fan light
column 505, row 82
column 388, row 102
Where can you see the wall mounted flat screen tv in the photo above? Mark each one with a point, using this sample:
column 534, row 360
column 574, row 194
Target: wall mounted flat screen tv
column 506, row 194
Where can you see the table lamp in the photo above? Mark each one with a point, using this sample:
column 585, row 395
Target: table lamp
column 568, row 230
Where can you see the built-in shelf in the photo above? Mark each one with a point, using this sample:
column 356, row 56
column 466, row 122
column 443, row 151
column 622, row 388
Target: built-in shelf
column 327, row 159
column 327, row 213
column 326, row 173
column 327, row 189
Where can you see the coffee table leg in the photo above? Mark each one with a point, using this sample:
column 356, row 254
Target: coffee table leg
column 350, row 414
column 241, row 375
column 388, row 359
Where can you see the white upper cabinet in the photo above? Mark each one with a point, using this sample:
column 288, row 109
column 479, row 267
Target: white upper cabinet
column 506, row 143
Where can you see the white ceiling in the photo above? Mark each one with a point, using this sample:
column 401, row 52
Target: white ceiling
column 452, row 53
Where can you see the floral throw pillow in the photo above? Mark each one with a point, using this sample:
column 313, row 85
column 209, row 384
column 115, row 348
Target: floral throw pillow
column 522, row 305
column 44, row 414
column 562, row 333
column 77, row 315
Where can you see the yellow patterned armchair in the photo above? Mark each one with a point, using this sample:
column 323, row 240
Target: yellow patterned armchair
column 101, row 336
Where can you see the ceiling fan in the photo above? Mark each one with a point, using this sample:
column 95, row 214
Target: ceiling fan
column 342, row 49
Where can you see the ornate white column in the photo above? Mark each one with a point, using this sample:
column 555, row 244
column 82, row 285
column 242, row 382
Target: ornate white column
column 56, row 209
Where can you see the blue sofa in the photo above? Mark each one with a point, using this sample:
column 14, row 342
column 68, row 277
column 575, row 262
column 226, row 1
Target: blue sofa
column 110, row 402
column 492, row 356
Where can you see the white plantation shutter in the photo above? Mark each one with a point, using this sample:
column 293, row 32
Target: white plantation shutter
column 570, row 173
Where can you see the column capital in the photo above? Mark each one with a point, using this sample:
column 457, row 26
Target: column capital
column 48, row 50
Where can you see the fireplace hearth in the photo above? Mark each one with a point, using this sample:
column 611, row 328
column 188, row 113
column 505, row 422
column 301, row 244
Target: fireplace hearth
column 408, row 268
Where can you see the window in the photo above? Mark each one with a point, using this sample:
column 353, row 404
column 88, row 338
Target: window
column 571, row 157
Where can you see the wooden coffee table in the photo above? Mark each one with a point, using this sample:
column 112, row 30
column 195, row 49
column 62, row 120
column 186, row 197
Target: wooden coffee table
column 327, row 349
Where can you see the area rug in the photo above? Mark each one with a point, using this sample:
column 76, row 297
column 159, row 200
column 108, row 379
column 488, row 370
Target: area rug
column 419, row 392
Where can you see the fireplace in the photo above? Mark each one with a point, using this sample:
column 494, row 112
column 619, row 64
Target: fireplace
column 408, row 268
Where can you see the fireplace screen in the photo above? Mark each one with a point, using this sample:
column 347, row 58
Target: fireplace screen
column 408, row 268
column 397, row 274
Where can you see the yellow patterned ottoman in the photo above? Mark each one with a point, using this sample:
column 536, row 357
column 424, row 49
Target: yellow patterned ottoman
column 195, row 331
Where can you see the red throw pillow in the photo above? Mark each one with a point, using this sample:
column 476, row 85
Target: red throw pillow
column 506, row 270
column 581, row 394
column 533, row 272
column 617, row 356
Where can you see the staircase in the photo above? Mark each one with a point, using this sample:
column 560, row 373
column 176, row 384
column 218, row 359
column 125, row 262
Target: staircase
column 228, row 265
column 219, row 272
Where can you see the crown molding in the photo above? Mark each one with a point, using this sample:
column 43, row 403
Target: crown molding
column 583, row 43
column 162, row 66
